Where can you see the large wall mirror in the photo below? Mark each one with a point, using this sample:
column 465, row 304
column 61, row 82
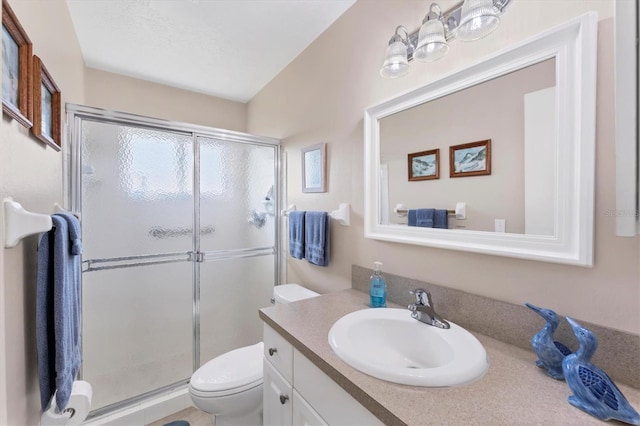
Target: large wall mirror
column 535, row 103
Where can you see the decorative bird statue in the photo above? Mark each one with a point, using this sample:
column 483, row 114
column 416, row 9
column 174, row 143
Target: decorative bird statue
column 593, row 390
column 550, row 353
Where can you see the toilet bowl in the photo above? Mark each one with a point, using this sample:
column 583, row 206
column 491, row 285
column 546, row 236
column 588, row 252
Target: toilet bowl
column 229, row 386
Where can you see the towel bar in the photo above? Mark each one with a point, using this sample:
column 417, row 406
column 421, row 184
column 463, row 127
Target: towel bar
column 460, row 211
column 342, row 215
column 19, row 223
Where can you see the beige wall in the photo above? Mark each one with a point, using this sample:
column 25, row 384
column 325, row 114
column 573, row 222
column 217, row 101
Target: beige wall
column 119, row 93
column 320, row 97
column 31, row 174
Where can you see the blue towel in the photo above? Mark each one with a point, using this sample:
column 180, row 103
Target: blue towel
column 317, row 238
column 421, row 217
column 58, row 310
column 441, row 219
column 75, row 236
column 296, row 234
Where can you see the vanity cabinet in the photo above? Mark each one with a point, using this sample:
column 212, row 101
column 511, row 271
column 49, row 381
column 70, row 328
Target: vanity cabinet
column 296, row 392
column 277, row 394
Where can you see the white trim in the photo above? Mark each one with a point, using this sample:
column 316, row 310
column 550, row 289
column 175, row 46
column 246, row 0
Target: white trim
column 574, row 46
column 626, row 93
column 147, row 411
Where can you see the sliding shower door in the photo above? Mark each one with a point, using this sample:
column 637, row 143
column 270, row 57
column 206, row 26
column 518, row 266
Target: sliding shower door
column 137, row 222
column 237, row 273
column 179, row 247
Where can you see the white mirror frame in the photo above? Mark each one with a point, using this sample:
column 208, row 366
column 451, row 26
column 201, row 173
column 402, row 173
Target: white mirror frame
column 574, row 46
column 627, row 15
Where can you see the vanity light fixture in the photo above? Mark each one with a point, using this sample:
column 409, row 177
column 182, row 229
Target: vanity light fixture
column 396, row 63
column 468, row 21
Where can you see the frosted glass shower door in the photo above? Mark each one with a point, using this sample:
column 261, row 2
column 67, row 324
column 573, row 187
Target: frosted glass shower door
column 137, row 282
column 238, row 272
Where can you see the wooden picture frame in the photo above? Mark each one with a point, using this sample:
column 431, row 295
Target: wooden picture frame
column 314, row 168
column 47, row 111
column 424, row 165
column 16, row 69
column 470, row 159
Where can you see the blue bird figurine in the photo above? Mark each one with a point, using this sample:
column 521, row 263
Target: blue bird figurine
column 593, row 390
column 550, row 353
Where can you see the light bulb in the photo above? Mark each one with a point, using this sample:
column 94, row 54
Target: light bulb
column 478, row 20
column 431, row 42
column 395, row 63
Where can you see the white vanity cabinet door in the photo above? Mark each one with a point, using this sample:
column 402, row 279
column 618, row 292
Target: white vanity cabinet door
column 277, row 398
column 327, row 398
column 279, row 352
column 304, row 414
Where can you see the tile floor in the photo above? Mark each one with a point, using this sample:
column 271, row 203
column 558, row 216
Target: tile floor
column 194, row 416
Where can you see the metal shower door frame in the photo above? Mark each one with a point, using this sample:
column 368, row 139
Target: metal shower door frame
column 72, row 164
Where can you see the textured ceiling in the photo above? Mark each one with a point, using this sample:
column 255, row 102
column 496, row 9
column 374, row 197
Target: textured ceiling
column 225, row 48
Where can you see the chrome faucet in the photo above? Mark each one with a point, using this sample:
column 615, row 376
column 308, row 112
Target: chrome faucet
column 423, row 310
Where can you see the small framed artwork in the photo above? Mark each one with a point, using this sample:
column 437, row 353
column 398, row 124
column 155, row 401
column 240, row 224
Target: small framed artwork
column 16, row 69
column 46, row 106
column 314, row 167
column 424, row 165
column 470, row 159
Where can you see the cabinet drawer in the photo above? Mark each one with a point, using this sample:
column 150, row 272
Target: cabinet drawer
column 279, row 352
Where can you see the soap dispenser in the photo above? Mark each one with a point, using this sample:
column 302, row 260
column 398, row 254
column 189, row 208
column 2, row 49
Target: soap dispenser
column 377, row 288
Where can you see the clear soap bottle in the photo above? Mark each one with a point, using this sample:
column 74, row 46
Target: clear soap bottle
column 377, row 288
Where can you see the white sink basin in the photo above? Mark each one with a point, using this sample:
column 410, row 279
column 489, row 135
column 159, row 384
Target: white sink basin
column 390, row 345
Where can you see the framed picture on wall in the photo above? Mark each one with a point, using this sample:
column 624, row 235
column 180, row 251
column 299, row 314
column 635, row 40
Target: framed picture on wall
column 470, row 159
column 16, row 69
column 314, row 168
column 424, row 165
column 46, row 106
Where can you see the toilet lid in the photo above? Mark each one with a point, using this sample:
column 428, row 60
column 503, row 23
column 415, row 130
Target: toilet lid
column 235, row 369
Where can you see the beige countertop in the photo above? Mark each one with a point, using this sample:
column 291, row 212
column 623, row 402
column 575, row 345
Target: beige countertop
column 513, row 391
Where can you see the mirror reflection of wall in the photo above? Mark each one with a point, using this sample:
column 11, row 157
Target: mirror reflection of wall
column 516, row 112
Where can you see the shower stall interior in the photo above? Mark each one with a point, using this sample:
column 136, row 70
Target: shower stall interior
column 180, row 243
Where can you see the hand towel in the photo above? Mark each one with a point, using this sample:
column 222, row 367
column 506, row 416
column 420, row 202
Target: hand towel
column 296, row 234
column 58, row 311
column 441, row 219
column 317, row 238
column 421, row 217
column 75, row 235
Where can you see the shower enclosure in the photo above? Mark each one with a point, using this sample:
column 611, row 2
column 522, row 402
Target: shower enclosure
column 179, row 247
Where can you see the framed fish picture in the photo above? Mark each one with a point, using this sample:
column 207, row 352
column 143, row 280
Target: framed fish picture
column 470, row 159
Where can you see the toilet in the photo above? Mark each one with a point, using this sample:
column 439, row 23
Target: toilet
column 229, row 386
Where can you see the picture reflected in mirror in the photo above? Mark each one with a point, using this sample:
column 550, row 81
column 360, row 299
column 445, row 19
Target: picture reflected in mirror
column 509, row 121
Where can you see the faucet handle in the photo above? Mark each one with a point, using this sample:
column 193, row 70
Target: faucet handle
column 423, row 297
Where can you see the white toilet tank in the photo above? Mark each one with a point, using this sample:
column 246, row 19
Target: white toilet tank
column 287, row 293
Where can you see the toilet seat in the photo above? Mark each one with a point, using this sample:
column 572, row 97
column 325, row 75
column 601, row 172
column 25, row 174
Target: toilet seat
column 230, row 373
